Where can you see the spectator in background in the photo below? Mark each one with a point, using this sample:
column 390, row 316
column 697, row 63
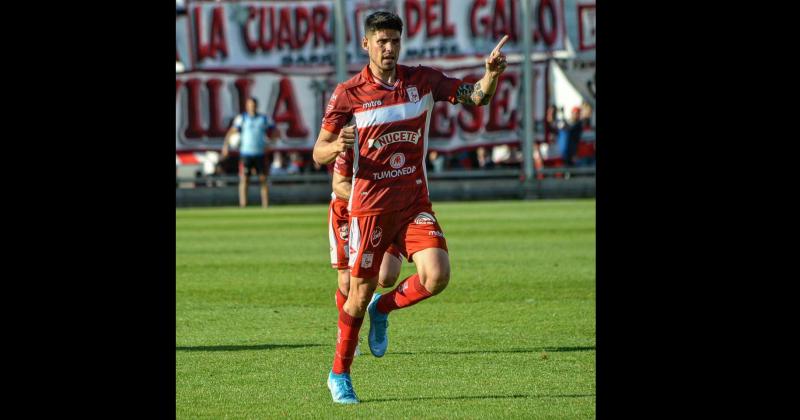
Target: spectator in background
column 558, row 125
column 501, row 154
column 436, row 161
column 295, row 163
column 484, row 160
column 586, row 114
column 253, row 129
column 278, row 167
column 585, row 153
column 574, row 131
column 568, row 133
column 463, row 160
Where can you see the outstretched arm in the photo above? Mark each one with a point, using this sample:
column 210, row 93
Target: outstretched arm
column 481, row 92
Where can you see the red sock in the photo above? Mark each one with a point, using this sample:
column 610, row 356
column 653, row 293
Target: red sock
column 407, row 293
column 340, row 299
column 346, row 342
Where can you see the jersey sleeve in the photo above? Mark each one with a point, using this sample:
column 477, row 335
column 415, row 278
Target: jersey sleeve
column 338, row 112
column 444, row 87
column 237, row 122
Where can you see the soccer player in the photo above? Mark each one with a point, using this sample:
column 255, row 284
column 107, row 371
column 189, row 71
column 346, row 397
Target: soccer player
column 253, row 128
column 389, row 202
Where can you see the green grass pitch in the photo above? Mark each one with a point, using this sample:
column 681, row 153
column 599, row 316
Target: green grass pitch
column 513, row 335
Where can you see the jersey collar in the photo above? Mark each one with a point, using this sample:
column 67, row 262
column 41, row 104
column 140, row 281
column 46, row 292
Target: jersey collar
column 367, row 75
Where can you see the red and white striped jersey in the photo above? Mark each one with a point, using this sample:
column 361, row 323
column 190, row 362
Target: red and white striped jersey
column 391, row 145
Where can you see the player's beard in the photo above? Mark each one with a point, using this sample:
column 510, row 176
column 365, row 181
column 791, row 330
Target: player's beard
column 386, row 65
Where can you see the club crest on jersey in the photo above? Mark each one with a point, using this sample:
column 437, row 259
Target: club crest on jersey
column 413, row 95
column 395, row 137
column 397, row 160
column 376, row 236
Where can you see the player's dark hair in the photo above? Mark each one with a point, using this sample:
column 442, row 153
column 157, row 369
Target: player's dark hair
column 383, row 20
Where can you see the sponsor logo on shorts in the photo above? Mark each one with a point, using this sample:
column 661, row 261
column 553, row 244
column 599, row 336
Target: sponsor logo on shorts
column 376, row 236
column 395, row 137
column 366, row 260
column 436, row 233
column 424, row 219
column 394, row 173
column 397, row 160
column 343, row 230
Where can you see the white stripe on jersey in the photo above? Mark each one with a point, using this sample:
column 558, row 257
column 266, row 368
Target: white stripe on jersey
column 332, row 237
column 355, row 171
column 393, row 113
column 354, row 241
column 425, row 146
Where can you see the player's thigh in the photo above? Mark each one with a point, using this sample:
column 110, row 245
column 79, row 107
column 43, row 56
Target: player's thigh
column 390, row 268
column 433, row 264
column 370, row 237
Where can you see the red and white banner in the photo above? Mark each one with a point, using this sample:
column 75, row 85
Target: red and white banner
column 580, row 69
column 261, row 35
column 580, row 21
column 207, row 102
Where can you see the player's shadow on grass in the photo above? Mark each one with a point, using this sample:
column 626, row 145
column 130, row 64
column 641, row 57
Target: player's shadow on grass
column 531, row 350
column 478, row 397
column 250, row 347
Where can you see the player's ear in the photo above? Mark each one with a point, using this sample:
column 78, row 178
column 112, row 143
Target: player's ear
column 365, row 43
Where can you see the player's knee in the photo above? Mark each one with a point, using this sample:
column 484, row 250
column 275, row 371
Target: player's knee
column 360, row 296
column 344, row 281
column 387, row 279
column 360, row 302
column 435, row 279
column 387, row 283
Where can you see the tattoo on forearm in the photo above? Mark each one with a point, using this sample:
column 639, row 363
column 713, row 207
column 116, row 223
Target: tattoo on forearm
column 464, row 93
column 472, row 94
column 478, row 95
column 486, row 98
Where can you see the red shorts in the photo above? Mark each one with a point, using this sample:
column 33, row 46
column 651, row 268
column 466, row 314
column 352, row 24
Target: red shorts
column 338, row 229
column 410, row 230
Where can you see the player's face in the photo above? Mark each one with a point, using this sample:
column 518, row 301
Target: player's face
column 383, row 47
column 250, row 106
